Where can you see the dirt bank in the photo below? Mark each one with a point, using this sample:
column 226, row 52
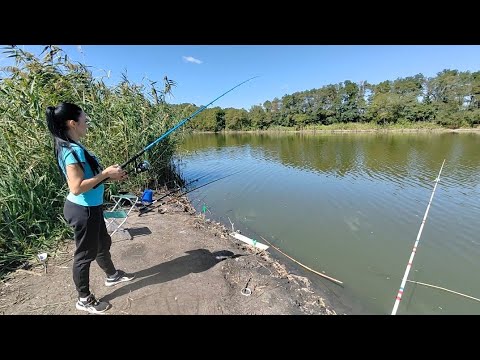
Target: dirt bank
column 184, row 264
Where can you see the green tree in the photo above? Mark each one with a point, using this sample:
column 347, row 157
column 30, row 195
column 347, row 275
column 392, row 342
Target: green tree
column 257, row 117
column 236, row 119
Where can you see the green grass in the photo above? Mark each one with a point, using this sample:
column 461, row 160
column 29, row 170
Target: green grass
column 377, row 127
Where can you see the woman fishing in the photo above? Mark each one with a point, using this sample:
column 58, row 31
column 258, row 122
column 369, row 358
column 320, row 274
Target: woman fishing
column 83, row 206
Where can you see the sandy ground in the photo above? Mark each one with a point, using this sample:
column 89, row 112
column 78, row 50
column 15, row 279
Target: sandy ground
column 184, row 264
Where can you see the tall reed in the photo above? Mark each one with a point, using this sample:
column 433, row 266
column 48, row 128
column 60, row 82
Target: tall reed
column 125, row 118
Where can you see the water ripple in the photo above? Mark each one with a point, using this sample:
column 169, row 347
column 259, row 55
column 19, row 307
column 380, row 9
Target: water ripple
column 353, row 203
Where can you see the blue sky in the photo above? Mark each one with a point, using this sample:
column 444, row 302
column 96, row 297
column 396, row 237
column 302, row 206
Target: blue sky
column 203, row 72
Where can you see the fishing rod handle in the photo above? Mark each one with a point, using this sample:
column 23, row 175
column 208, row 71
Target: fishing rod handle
column 101, row 182
column 122, row 166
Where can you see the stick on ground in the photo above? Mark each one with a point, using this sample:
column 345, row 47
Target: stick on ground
column 306, row 267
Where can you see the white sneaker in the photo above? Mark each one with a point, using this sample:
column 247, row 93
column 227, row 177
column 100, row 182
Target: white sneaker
column 92, row 305
column 121, row 276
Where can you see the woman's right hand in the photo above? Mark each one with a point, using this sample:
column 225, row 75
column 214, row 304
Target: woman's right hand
column 115, row 172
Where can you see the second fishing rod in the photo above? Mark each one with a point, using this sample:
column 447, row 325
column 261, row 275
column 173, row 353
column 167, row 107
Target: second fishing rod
column 171, row 192
column 149, row 208
column 144, row 165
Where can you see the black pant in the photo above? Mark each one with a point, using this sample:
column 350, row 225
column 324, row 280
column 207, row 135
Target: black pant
column 92, row 243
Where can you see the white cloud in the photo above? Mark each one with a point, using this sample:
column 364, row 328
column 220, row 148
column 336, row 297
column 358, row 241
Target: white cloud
column 191, row 59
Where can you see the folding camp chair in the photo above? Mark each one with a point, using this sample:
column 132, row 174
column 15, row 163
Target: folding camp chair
column 117, row 216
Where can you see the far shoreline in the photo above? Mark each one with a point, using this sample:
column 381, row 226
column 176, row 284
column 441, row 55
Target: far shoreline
column 475, row 130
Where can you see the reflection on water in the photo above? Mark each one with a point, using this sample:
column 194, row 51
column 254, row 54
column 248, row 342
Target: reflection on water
column 351, row 205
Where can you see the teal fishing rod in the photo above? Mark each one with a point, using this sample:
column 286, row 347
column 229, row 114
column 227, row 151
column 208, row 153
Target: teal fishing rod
column 144, row 165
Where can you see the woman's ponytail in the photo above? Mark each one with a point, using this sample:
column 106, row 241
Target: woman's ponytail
column 50, row 115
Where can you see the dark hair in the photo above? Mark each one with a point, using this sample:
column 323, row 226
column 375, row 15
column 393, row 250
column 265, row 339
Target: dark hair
column 57, row 117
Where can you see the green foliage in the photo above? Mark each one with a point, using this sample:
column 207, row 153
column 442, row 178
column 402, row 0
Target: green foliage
column 449, row 99
column 210, row 119
column 257, row 117
column 236, row 119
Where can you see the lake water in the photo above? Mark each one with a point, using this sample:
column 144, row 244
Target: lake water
column 351, row 206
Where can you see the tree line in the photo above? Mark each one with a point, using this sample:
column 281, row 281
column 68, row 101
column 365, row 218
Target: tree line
column 451, row 99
